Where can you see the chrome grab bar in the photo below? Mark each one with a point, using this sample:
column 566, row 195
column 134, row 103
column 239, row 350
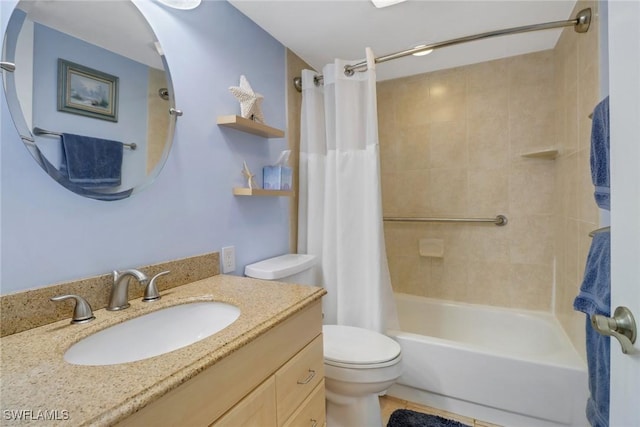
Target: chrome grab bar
column 499, row 220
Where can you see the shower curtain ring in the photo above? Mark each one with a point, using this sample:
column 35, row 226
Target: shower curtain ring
column 348, row 71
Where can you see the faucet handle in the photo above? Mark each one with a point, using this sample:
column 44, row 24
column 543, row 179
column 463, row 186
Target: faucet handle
column 82, row 312
column 151, row 291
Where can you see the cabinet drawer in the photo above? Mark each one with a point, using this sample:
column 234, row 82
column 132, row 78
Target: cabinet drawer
column 312, row 413
column 298, row 378
column 256, row 409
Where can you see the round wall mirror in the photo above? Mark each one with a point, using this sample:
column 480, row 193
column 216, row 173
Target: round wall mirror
column 91, row 94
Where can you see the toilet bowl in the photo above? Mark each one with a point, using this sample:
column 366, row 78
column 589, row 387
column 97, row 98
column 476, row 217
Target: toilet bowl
column 359, row 364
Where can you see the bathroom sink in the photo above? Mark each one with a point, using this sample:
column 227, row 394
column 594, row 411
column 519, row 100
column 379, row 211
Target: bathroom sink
column 153, row 334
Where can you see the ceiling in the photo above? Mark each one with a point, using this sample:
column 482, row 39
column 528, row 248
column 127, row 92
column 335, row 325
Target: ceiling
column 320, row 30
column 117, row 26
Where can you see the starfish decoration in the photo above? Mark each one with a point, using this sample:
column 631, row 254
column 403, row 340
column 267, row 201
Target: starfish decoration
column 248, row 175
column 250, row 101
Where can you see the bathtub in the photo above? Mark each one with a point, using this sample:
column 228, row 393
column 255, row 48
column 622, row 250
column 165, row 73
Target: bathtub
column 504, row 366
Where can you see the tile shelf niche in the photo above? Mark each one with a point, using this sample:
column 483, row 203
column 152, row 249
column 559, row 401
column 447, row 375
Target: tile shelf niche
column 543, row 153
column 250, row 126
column 243, row 191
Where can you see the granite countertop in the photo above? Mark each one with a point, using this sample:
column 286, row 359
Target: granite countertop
column 38, row 384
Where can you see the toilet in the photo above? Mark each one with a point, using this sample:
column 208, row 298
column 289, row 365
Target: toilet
column 359, row 364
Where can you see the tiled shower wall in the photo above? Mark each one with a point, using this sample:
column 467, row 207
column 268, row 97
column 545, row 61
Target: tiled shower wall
column 452, row 145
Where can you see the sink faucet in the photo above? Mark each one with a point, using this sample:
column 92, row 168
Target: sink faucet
column 120, row 288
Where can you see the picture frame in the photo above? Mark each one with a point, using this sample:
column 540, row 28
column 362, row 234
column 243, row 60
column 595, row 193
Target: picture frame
column 87, row 92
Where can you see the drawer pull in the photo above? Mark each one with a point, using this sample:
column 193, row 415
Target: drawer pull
column 312, row 374
column 314, row 423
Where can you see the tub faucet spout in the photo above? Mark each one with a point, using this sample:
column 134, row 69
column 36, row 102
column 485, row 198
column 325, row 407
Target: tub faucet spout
column 120, row 289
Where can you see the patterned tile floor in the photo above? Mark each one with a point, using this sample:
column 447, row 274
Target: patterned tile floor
column 389, row 404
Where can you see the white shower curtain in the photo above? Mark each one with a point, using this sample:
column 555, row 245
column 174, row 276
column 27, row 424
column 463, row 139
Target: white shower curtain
column 340, row 210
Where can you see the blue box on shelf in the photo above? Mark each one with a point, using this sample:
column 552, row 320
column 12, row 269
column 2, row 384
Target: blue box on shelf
column 277, row 177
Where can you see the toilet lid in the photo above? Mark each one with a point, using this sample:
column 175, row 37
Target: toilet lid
column 357, row 346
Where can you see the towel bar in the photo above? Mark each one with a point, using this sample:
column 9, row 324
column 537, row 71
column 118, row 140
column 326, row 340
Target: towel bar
column 600, row 230
column 28, row 140
column 40, row 131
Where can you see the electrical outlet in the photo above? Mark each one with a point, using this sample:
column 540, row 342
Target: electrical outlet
column 228, row 259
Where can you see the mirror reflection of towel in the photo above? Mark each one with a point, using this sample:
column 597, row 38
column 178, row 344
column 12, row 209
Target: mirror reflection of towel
column 91, row 162
column 96, row 193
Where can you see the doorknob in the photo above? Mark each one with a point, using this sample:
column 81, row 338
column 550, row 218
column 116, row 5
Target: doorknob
column 621, row 326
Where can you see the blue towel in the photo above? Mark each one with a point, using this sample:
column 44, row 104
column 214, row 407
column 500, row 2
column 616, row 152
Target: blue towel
column 600, row 153
column 595, row 298
column 87, row 192
column 595, row 291
column 91, row 162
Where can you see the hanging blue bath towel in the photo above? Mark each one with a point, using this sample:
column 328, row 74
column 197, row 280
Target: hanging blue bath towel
column 595, row 298
column 600, row 154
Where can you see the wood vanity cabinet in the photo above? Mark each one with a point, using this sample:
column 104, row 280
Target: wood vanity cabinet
column 275, row 380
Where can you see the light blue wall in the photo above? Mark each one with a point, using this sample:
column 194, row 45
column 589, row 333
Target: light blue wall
column 51, row 235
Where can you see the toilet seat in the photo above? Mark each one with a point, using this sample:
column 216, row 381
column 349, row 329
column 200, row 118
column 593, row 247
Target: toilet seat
column 358, row 348
column 361, row 366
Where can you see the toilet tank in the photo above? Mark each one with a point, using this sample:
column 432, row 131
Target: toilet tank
column 290, row 268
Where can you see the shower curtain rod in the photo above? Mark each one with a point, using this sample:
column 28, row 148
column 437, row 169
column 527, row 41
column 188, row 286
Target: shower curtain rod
column 580, row 23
